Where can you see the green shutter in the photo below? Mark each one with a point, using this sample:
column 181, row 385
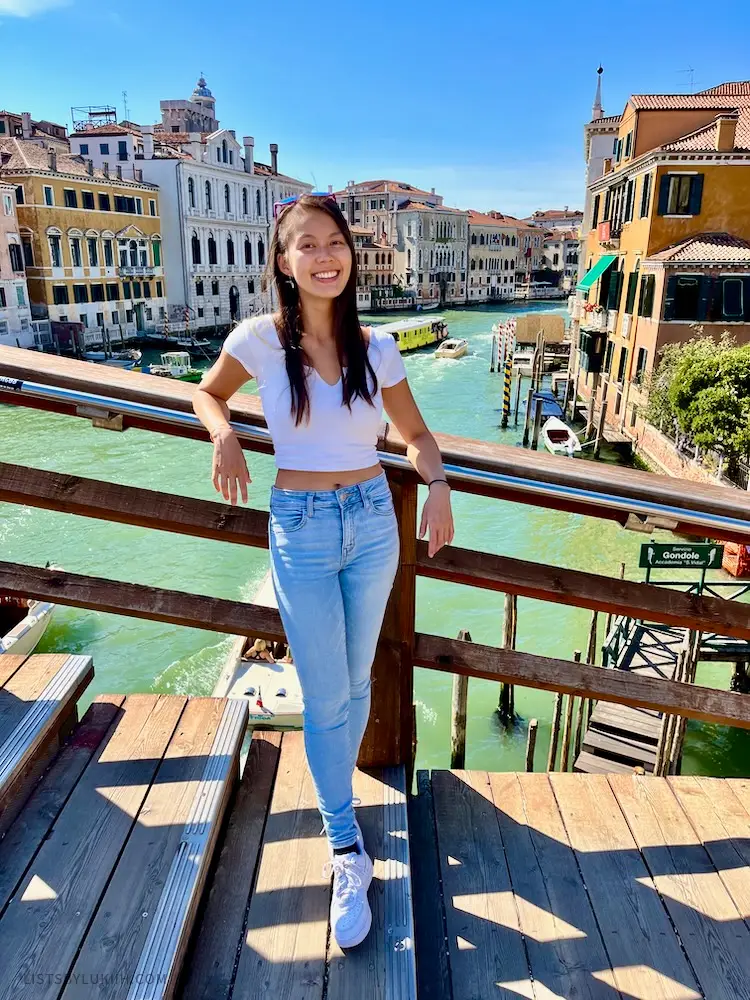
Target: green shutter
column 630, row 297
column 704, row 296
column 669, row 297
column 663, row 195
column 696, row 194
column 648, row 303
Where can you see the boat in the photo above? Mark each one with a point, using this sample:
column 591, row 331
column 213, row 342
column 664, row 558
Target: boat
column 128, row 358
column 559, row 438
column 411, row 334
column 270, row 686
column 550, row 405
column 452, row 348
column 427, row 306
column 174, row 364
column 23, row 622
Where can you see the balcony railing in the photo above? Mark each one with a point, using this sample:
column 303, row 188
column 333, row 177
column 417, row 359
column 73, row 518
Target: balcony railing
column 594, row 320
column 135, row 271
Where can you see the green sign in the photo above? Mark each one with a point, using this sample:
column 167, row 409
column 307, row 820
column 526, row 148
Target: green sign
column 701, row 556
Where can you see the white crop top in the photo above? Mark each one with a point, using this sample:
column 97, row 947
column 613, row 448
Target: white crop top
column 334, row 439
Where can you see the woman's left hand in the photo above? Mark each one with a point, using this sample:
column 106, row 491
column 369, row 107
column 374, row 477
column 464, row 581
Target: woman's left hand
column 438, row 517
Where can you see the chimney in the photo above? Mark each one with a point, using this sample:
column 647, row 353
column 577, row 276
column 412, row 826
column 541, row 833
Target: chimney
column 118, row 171
column 565, row 208
column 249, row 144
column 330, row 188
column 274, row 158
column 147, row 133
column 26, row 124
column 52, row 159
column 90, row 168
column 105, row 169
column 726, row 128
column 432, row 190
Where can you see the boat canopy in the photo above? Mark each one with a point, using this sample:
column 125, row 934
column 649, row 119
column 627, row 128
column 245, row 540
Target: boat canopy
column 598, row 269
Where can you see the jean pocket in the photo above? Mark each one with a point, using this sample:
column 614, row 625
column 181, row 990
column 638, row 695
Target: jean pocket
column 382, row 502
column 289, row 515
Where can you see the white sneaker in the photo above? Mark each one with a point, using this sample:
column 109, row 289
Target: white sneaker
column 351, row 916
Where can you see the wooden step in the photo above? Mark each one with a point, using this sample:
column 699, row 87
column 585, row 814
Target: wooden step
column 621, row 747
column 38, row 699
column 113, row 890
column 645, row 727
column 588, row 763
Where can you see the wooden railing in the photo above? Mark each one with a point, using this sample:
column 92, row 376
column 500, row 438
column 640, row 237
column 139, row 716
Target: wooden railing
column 117, row 400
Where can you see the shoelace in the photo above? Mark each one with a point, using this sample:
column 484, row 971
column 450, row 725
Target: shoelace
column 356, row 801
column 346, row 879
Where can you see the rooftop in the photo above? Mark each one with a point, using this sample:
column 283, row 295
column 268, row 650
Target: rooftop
column 19, row 156
column 493, row 219
column 704, row 138
column 379, row 186
column 706, row 248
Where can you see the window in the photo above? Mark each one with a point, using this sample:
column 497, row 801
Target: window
column 16, row 257
column 28, row 252
column 20, row 297
column 251, row 286
column 227, row 199
column 136, row 289
column 100, row 319
column 191, row 192
column 628, row 144
column 199, row 288
column 93, row 251
column 630, row 296
column 200, row 312
column 84, row 149
column 97, row 293
column 83, row 319
column 261, row 253
column 147, row 290
column 128, row 315
column 116, row 317
column 646, row 195
column 19, row 195
column 113, row 293
column 629, row 199
column 680, row 194
column 87, row 200
column 48, row 196
column 159, row 290
column 104, row 203
column 60, row 295
column 211, row 250
column 646, row 298
column 621, row 368
column 126, row 290
column 230, row 250
column 55, row 251
column 732, row 298
column 151, row 206
column 640, row 365
column 607, row 367
column 214, row 287
column 595, row 214
column 156, row 250
column 122, row 150
column 138, row 206
column 108, row 253
column 123, row 204
column 104, row 148
column 257, row 203
column 71, row 198
column 195, row 245
column 208, row 196
column 248, row 251
column 80, row 293
column 75, row 251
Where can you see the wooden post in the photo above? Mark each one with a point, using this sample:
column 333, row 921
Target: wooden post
column 518, row 398
column 540, row 374
column 666, row 736
column 589, row 428
column 531, row 744
column 507, row 381
column 574, row 393
column 579, row 727
column 555, row 733
column 389, row 738
column 506, row 706
column 591, row 646
column 537, row 423
column 458, row 714
column 494, row 352
column 527, row 419
column 566, row 397
column 600, row 429
column 565, row 752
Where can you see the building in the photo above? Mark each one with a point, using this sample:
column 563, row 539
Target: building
column 91, row 241
column 668, row 245
column 599, row 136
column 561, row 255
column 15, row 313
column 431, row 251
column 15, row 126
column 216, row 204
column 531, row 256
column 554, row 218
column 374, row 268
column 373, row 204
column 493, row 255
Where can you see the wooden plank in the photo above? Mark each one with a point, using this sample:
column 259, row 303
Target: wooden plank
column 487, row 955
column 149, row 905
column 565, row 949
column 46, row 921
column 430, row 933
column 135, row 505
column 31, row 827
column 642, row 722
column 576, row 588
column 589, row 763
column 209, row 970
column 645, row 955
column 141, row 601
column 9, row 664
column 713, row 933
column 621, row 746
column 582, row 680
column 284, row 949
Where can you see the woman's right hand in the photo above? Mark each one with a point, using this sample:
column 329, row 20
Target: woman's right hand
column 229, row 467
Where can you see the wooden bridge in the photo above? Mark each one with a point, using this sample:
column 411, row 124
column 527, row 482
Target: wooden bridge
column 144, row 856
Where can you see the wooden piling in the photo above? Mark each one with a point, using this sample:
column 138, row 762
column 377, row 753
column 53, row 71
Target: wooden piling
column 537, row 423
column 458, row 714
column 567, row 726
column 555, row 733
column 527, row 418
column 531, row 744
column 506, row 704
column 600, row 430
column 574, row 393
column 517, row 407
column 579, row 728
column 494, row 352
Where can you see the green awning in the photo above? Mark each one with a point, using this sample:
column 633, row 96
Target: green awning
column 598, row 269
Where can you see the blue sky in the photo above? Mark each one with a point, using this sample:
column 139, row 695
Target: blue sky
column 484, row 101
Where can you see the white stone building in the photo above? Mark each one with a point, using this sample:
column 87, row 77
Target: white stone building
column 598, row 141
column 493, row 256
column 15, row 312
column 561, row 253
column 431, row 247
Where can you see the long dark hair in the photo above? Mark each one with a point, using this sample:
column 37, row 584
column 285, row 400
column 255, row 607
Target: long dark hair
column 351, row 345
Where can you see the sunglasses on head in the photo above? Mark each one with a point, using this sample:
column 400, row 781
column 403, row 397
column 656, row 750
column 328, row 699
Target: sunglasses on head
column 279, row 206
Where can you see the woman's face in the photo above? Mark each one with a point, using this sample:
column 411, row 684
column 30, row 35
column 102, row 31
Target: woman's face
column 317, row 255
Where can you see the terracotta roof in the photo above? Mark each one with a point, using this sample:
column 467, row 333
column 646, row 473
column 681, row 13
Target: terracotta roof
column 678, row 102
column 361, row 231
column 705, row 248
column 608, row 120
column 378, row 187
column 25, row 156
column 418, row 206
column 554, row 213
column 497, row 219
column 265, row 171
column 104, row 130
column 736, row 89
column 705, row 138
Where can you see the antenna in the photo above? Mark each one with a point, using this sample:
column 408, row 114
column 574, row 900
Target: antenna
column 125, row 103
column 691, row 71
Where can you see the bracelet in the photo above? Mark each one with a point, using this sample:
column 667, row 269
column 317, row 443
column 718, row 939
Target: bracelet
column 438, row 481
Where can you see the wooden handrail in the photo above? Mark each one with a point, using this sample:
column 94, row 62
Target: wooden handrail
column 248, row 526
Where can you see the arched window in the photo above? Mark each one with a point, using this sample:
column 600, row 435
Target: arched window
column 230, row 250
column 481, row 239
column 211, row 249
column 191, row 192
column 261, row 249
column 248, row 251
column 377, row 260
column 195, row 243
column 366, row 259
column 224, row 151
column 473, row 266
column 257, row 203
column 473, row 239
column 133, row 253
column 208, row 196
column 389, row 259
column 244, row 201
column 481, row 263
column 227, row 199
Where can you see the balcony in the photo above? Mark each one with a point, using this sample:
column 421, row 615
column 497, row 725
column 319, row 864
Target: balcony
column 133, row 271
column 575, row 307
column 608, row 235
column 596, row 319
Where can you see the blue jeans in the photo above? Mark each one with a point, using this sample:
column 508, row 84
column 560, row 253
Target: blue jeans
column 334, row 557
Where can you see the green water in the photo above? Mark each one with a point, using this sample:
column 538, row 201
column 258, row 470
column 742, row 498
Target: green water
column 457, row 397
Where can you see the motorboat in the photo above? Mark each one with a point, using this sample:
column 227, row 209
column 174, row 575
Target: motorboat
column 128, row 358
column 174, row 364
column 452, row 348
column 23, row 622
column 550, row 405
column 411, row 334
column 264, row 674
column 559, row 438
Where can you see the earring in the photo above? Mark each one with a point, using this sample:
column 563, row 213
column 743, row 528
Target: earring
column 291, row 283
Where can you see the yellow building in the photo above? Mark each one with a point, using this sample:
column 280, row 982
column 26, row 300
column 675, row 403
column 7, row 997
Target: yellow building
column 667, row 247
column 92, row 241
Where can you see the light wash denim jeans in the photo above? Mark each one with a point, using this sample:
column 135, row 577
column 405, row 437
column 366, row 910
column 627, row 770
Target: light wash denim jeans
column 334, row 557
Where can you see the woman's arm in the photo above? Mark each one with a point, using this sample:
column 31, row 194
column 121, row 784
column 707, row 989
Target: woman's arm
column 423, row 453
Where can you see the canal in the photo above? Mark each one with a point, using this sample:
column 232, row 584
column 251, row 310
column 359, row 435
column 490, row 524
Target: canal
column 457, row 397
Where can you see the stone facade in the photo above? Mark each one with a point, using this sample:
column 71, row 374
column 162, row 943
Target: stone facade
column 15, row 313
column 493, row 256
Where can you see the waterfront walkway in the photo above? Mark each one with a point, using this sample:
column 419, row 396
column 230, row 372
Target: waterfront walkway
column 143, row 862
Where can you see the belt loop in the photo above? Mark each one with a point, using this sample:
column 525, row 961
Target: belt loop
column 365, row 496
column 310, row 504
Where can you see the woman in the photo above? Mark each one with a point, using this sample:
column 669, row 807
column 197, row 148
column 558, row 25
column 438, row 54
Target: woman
column 333, row 532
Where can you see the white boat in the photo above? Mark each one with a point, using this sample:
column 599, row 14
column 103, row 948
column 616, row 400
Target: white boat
column 559, row 438
column 452, row 348
column 117, row 359
column 272, row 689
column 23, row 622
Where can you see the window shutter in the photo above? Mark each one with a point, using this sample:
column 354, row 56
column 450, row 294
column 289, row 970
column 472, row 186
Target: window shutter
column 595, row 218
column 696, row 195
column 648, row 302
column 607, row 204
column 704, row 296
column 669, row 297
column 663, row 195
column 630, row 297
